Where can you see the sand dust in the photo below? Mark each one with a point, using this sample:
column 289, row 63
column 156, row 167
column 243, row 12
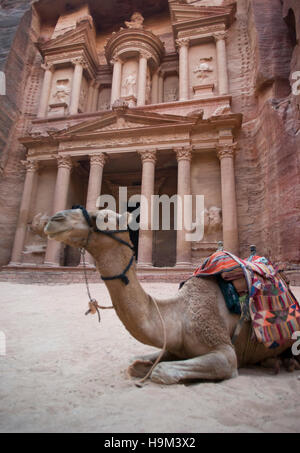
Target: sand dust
column 64, row 372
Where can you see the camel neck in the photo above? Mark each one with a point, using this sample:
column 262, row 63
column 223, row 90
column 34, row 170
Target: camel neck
column 133, row 305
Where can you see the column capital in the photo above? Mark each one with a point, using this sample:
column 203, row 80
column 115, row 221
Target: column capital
column 98, row 159
column 48, row 67
column 183, row 42
column 64, row 162
column 115, row 60
column 148, row 156
column 184, row 153
column 80, row 61
column 145, row 54
column 220, row 36
column 31, row 166
column 226, row 150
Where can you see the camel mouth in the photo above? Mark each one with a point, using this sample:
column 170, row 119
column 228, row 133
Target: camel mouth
column 52, row 232
column 56, row 234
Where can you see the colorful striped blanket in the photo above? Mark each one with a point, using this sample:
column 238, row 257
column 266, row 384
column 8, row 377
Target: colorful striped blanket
column 274, row 310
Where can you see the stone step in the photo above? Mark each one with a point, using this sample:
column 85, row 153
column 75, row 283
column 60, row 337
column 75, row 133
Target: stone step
column 44, row 275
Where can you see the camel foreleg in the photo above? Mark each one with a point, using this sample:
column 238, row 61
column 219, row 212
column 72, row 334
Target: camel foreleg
column 141, row 365
column 217, row 365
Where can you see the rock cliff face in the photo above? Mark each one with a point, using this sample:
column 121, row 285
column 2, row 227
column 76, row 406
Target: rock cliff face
column 16, row 56
column 263, row 54
column 267, row 165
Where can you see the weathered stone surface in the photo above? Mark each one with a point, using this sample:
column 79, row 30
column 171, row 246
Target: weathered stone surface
column 262, row 56
column 267, row 166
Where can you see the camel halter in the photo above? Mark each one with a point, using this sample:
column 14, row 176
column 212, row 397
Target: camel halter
column 111, row 233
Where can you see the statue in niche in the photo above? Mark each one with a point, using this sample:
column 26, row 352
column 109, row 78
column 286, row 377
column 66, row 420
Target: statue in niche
column 62, row 94
column 213, row 222
column 203, row 69
column 136, row 22
column 130, row 85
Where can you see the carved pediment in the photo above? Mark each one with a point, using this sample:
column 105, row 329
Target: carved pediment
column 80, row 38
column 125, row 121
column 183, row 14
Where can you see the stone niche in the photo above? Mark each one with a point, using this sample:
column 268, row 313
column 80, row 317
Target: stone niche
column 171, row 88
column 104, row 98
column 206, row 177
column 61, row 92
column 203, row 70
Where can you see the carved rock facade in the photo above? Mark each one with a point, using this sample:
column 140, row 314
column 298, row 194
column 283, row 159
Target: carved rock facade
column 200, row 86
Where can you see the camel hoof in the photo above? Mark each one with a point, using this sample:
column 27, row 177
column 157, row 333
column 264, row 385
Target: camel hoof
column 160, row 376
column 139, row 368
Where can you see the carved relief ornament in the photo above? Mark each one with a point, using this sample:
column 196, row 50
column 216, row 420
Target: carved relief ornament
column 220, row 36
column 183, row 42
column 64, row 162
column 226, row 151
column 98, row 159
column 148, row 156
column 31, row 166
column 184, row 153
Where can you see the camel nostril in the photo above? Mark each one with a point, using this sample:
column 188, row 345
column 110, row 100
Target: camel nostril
column 58, row 218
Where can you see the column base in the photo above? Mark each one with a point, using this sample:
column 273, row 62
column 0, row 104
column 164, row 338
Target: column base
column 12, row 264
column 144, row 265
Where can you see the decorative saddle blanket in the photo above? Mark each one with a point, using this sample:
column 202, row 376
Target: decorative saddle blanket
column 274, row 310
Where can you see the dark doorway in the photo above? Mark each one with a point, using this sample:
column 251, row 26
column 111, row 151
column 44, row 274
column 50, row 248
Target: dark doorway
column 134, row 235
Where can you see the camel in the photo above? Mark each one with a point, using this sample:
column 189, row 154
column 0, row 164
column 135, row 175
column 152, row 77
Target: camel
column 198, row 325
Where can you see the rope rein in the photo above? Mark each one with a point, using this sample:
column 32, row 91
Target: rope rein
column 94, row 307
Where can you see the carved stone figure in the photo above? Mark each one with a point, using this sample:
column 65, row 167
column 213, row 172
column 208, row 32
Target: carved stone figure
column 215, row 220
column 130, row 85
column 137, row 21
column 203, row 69
column 62, row 94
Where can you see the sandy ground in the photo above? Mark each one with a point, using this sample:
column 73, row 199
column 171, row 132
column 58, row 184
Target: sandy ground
column 64, row 372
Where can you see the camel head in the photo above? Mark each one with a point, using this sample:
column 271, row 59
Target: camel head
column 71, row 227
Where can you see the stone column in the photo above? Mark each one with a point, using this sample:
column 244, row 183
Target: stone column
column 52, row 257
column 46, row 90
column 155, row 88
column 117, row 80
column 32, row 168
column 184, row 248
column 142, row 83
column 183, row 45
column 160, row 88
column 229, row 208
column 91, row 94
column 222, row 63
column 76, row 87
column 97, row 163
column 148, row 187
column 95, row 97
